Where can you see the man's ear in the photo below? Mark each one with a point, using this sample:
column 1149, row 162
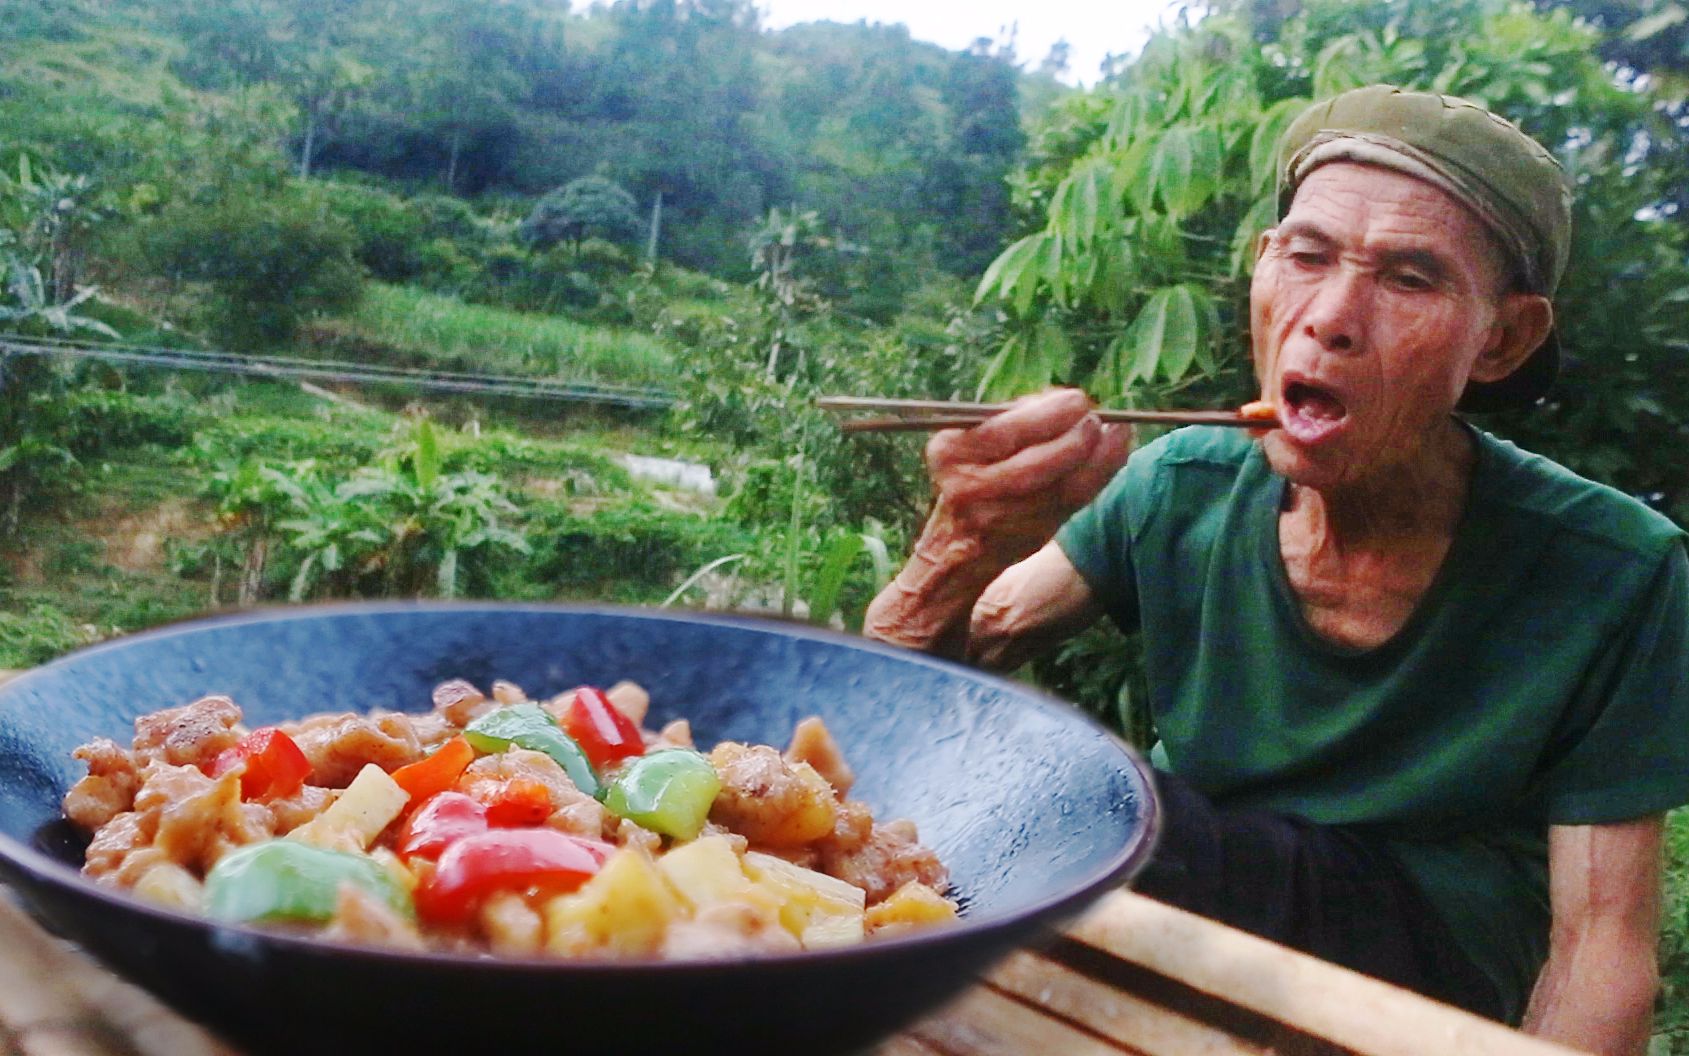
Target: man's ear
column 1521, row 326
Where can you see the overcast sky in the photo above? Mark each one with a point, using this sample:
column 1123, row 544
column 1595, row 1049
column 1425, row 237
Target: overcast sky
column 1093, row 28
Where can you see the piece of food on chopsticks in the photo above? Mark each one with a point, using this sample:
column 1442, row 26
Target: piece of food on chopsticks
column 495, row 823
column 1259, row 410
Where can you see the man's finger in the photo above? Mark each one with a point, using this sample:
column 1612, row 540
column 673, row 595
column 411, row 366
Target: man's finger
column 1036, row 468
column 1033, row 420
column 1112, row 450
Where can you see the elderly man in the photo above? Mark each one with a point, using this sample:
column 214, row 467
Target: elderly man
column 1422, row 696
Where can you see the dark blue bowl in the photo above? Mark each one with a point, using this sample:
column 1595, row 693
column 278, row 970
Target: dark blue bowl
column 1035, row 809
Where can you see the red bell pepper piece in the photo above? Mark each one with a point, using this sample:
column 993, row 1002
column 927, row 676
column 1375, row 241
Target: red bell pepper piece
column 519, row 802
column 506, row 859
column 603, row 732
column 435, row 774
column 439, row 822
column 275, row 767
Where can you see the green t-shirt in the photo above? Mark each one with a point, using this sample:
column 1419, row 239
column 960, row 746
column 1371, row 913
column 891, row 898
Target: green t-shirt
column 1543, row 679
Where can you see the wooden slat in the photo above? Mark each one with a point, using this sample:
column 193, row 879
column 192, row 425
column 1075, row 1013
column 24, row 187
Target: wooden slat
column 1123, row 1017
column 984, row 1022
column 55, row 999
column 1303, row 992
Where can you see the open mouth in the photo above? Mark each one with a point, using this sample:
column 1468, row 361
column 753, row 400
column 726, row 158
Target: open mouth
column 1311, row 413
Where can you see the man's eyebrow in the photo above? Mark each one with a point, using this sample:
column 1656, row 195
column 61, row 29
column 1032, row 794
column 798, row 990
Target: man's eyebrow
column 1429, row 261
column 1305, row 229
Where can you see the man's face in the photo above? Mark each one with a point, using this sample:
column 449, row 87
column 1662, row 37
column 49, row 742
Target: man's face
column 1372, row 300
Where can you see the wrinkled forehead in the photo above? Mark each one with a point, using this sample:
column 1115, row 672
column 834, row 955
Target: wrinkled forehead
column 1348, row 198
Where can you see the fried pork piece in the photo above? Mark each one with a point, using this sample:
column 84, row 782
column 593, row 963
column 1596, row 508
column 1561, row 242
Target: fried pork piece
column 630, row 699
column 432, row 730
column 290, row 812
column 180, row 816
column 888, row 857
column 121, row 852
column 771, row 802
column 813, row 743
column 191, row 735
column 338, row 746
column 677, row 734
column 362, row 918
column 108, row 790
column 460, row 703
column 625, row 833
column 573, row 811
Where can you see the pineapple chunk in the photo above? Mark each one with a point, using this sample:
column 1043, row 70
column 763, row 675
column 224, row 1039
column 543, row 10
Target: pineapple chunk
column 914, row 905
column 624, row 910
column 707, row 873
column 352, row 822
column 822, row 911
column 168, row 884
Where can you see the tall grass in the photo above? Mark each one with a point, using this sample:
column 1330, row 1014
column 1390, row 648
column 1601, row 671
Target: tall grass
column 444, row 331
column 1672, row 1023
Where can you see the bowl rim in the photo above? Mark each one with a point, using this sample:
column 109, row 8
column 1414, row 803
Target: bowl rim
column 39, row 868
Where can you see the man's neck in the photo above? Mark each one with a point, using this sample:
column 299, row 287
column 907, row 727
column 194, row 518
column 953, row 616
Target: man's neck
column 1413, row 501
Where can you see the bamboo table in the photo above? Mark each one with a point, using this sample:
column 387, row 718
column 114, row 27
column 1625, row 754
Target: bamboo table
column 1132, row 976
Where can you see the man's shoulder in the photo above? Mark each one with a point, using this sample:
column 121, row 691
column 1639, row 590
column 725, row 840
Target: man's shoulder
column 1202, row 445
column 1539, row 489
column 1207, row 458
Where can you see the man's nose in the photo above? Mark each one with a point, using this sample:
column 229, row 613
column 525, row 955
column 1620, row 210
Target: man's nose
column 1334, row 317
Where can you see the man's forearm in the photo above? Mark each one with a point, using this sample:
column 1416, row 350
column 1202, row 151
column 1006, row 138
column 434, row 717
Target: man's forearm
column 928, row 605
column 1596, row 994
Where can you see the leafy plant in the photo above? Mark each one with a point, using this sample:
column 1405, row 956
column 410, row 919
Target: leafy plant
column 398, row 527
column 31, row 302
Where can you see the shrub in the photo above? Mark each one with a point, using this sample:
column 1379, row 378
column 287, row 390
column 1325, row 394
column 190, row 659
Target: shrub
column 388, row 235
column 443, row 216
column 270, row 263
column 96, row 421
column 637, row 552
column 39, row 634
column 443, row 266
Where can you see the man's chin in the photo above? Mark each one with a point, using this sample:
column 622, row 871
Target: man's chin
column 1320, row 468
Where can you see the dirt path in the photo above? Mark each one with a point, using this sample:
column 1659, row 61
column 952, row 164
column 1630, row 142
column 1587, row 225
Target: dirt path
column 135, row 542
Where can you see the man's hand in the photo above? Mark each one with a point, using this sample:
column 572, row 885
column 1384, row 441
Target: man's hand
column 1004, row 487
column 1596, row 993
column 1011, row 481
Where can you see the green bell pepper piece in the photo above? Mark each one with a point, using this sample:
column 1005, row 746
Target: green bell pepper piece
column 530, row 726
column 668, row 791
column 287, row 880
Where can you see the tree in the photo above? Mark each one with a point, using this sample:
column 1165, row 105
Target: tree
column 463, row 87
column 967, row 180
column 591, row 205
column 306, row 48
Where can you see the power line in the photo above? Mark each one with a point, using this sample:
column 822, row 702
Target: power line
column 634, row 397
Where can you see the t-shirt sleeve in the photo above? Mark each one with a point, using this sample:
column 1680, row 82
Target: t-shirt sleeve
column 1098, row 541
column 1633, row 758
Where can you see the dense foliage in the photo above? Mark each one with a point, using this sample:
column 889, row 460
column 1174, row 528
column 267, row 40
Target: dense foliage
column 901, row 145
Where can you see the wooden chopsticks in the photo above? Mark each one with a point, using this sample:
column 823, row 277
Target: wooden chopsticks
column 929, row 415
